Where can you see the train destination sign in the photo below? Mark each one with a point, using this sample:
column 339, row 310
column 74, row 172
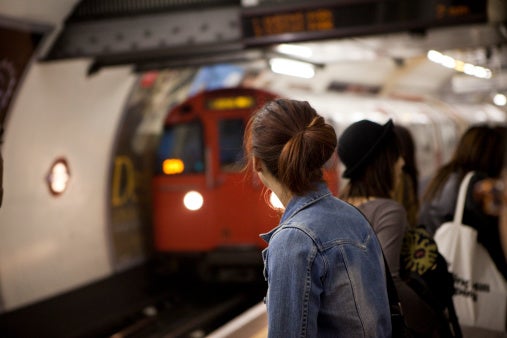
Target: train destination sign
column 230, row 102
column 312, row 20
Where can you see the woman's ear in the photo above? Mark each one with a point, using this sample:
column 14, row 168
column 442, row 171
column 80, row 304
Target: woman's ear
column 257, row 164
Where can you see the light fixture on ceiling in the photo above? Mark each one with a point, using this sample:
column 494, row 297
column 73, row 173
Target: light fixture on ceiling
column 458, row 65
column 292, row 67
column 500, row 99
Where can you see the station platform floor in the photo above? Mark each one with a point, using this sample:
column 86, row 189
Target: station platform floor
column 253, row 324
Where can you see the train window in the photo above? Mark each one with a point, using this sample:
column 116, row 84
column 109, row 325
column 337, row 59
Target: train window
column 181, row 149
column 231, row 144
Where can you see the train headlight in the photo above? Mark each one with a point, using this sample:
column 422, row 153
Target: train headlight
column 275, row 201
column 193, row 200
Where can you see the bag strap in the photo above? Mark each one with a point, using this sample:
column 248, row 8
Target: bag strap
column 399, row 327
column 460, row 205
column 392, row 293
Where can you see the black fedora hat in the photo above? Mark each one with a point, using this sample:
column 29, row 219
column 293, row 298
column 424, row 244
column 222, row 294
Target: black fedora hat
column 359, row 142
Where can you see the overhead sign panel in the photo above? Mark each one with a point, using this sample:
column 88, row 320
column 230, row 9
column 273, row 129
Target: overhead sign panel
column 291, row 21
column 174, row 33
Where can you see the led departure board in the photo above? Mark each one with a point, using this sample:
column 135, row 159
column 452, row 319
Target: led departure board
column 311, row 20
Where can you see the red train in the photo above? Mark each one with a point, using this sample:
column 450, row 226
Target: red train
column 208, row 213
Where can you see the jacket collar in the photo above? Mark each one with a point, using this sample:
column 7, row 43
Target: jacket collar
column 298, row 203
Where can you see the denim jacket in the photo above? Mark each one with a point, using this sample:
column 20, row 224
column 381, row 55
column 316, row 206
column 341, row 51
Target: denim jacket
column 325, row 272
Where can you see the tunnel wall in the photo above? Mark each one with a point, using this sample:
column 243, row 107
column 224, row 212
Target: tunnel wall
column 50, row 244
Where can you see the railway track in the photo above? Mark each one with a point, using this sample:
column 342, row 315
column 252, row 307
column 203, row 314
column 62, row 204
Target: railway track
column 135, row 303
column 191, row 309
column 189, row 321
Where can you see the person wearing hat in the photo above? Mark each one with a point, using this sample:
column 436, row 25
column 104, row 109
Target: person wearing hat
column 371, row 154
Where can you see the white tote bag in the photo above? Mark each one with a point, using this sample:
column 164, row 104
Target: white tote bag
column 480, row 295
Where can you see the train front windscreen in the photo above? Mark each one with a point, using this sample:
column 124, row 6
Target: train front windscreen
column 181, row 149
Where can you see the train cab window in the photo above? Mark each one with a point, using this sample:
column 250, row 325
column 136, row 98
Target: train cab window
column 230, row 133
column 181, row 149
